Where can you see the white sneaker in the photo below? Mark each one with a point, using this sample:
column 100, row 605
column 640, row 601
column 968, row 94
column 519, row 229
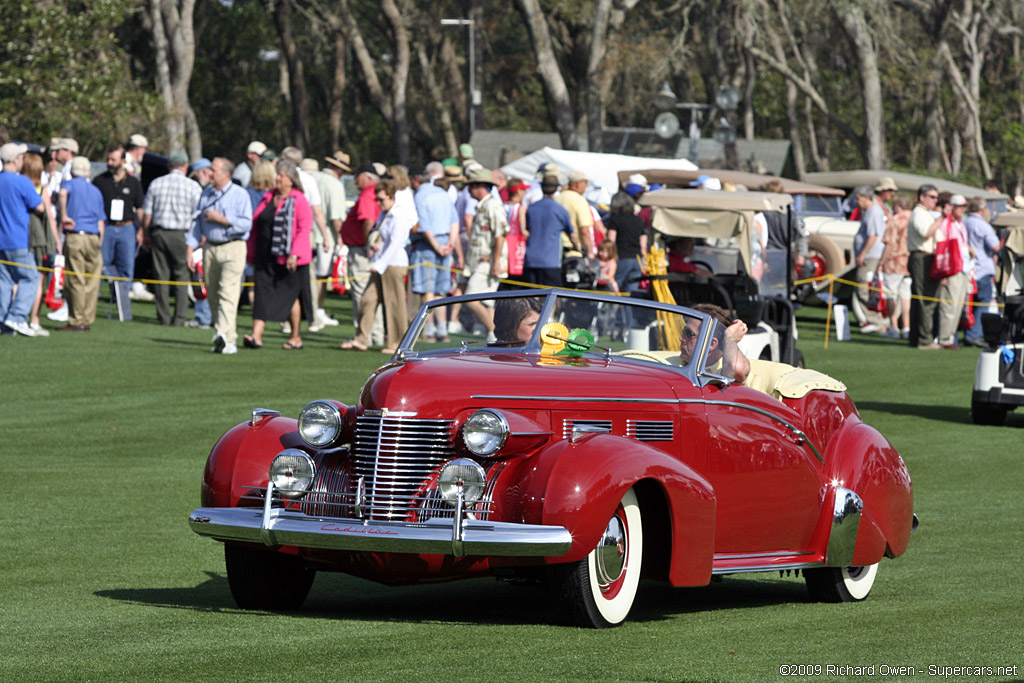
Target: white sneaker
column 286, row 327
column 39, row 330
column 324, row 319
column 140, row 293
column 21, row 328
column 60, row 315
column 455, row 327
column 491, row 339
column 868, row 328
column 890, row 333
column 905, row 333
column 230, row 349
column 317, row 326
column 478, row 330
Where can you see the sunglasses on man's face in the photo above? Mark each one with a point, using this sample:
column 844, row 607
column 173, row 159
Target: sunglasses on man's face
column 689, row 334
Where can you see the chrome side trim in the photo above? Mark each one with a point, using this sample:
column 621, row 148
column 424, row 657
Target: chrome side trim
column 798, row 434
column 748, row 556
column 846, row 513
column 286, row 527
column 767, row 568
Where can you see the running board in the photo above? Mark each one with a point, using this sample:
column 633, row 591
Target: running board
column 740, row 563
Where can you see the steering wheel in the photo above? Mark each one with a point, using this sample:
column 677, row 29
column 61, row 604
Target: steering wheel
column 705, row 265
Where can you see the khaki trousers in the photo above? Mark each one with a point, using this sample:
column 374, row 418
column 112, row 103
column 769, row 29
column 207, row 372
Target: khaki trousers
column 953, row 294
column 388, row 288
column 82, row 255
column 224, row 270
column 359, row 279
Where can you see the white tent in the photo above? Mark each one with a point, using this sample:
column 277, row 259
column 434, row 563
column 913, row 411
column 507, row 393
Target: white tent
column 601, row 168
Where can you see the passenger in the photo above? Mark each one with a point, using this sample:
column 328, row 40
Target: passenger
column 516, row 318
column 724, row 357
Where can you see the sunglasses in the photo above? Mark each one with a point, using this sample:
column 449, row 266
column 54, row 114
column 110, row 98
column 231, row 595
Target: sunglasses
column 932, row 196
column 688, row 333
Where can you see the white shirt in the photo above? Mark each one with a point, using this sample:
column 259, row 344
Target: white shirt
column 310, row 188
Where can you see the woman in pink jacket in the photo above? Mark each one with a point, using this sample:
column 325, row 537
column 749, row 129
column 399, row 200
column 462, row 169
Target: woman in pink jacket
column 280, row 251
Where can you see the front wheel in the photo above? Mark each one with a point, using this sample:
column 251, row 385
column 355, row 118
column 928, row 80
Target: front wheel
column 266, row 580
column 840, row 584
column 598, row 591
column 987, row 414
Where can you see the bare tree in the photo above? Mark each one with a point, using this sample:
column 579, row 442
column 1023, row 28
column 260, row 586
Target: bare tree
column 559, row 102
column 852, row 18
column 297, row 95
column 171, row 26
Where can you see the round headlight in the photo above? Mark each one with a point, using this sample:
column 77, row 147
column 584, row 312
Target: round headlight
column 462, row 470
column 292, row 473
column 485, row 432
column 320, row 423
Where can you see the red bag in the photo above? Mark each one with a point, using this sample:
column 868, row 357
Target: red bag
column 876, row 296
column 339, row 269
column 199, row 290
column 967, row 315
column 516, row 245
column 948, row 260
column 55, row 290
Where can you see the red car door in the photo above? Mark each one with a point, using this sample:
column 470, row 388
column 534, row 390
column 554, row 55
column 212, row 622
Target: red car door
column 767, row 481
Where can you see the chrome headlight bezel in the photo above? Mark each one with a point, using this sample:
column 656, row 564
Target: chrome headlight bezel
column 485, row 432
column 469, row 472
column 320, row 423
column 292, row 472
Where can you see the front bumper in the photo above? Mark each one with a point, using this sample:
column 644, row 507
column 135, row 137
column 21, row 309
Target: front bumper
column 276, row 526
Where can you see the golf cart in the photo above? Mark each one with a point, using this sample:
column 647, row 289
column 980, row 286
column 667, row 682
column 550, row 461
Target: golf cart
column 754, row 289
column 824, row 236
column 999, row 375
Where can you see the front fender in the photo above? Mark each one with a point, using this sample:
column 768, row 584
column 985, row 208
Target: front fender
column 859, row 458
column 242, row 458
column 579, row 485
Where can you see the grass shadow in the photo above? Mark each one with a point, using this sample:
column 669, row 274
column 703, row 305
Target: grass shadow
column 948, row 414
column 473, row 601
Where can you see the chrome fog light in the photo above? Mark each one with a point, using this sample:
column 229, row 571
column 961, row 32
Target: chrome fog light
column 292, row 473
column 485, row 432
column 320, row 423
column 461, row 470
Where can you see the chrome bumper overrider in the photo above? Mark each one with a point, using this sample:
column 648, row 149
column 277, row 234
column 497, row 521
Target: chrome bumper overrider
column 276, row 526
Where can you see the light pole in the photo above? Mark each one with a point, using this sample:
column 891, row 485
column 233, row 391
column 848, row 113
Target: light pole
column 475, row 98
column 667, row 124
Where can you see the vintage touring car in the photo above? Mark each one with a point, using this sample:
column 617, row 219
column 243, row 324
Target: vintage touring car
column 559, row 455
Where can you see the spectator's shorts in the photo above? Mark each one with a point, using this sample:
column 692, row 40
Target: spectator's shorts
column 481, row 281
column 430, row 272
column 896, row 285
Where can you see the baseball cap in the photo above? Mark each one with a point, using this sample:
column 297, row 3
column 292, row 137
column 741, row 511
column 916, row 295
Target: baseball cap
column 886, row 183
column 549, row 184
column 268, row 155
column 417, row 170
column 379, row 168
column 517, row 186
column 200, row 164
column 69, row 144
column 701, row 179
column 256, row 147
column 80, row 166
column 309, row 165
column 12, row 151
column 138, row 140
column 466, row 150
column 958, row 200
column 365, row 167
column 634, row 189
column 479, row 174
column 578, row 176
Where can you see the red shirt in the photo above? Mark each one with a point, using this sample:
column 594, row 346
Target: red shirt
column 365, row 209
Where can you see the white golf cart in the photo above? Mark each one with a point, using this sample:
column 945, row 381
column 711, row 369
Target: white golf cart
column 999, row 375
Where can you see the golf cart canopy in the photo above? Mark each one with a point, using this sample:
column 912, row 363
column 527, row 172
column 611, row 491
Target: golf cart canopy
column 712, row 214
column 906, row 182
column 752, row 181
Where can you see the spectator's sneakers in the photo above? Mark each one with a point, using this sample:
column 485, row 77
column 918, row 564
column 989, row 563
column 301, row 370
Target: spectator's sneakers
column 286, row 327
column 220, row 344
column 230, row 349
column 21, row 328
column 196, row 324
column 140, row 293
column 491, row 339
column 890, row 333
column 455, row 327
column 60, row 315
column 868, row 328
column 324, row 319
column 39, row 330
column 905, row 333
column 316, row 325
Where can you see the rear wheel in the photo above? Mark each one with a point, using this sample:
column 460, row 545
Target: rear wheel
column 598, row 591
column 987, row 414
column 840, row 584
column 261, row 579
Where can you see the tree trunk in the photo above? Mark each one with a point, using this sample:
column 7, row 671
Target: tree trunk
column 792, row 117
column 399, row 80
column 337, row 89
column 476, row 97
column 852, row 18
column 932, row 128
column 450, row 141
column 559, row 103
column 296, row 76
column 595, row 109
column 456, row 84
column 175, row 44
column 173, row 121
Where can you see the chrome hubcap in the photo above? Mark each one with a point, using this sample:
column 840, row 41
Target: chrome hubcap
column 611, row 552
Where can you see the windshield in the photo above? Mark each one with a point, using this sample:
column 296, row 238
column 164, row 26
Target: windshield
column 568, row 327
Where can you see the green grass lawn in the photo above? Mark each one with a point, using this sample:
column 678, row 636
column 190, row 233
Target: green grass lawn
column 101, row 579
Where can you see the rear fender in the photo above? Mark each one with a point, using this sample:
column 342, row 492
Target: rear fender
column 859, row 458
column 242, row 457
column 579, row 485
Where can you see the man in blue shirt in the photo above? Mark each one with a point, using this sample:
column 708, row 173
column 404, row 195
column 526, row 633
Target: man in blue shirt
column 432, row 247
column 17, row 198
column 546, row 220
column 83, row 216
column 223, row 219
column 983, row 239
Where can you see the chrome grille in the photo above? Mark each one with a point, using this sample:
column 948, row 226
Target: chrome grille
column 396, row 457
column 650, row 430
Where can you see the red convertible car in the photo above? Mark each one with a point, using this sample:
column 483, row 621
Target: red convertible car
column 555, row 453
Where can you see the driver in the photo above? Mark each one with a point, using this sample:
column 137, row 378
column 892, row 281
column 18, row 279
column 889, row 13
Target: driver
column 724, row 357
column 515, row 318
